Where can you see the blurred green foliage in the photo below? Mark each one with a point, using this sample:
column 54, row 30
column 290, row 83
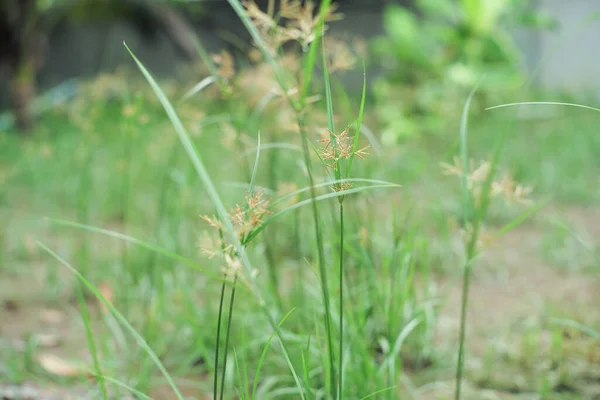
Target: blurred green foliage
column 434, row 57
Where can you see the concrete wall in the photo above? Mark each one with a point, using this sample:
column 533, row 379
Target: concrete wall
column 570, row 57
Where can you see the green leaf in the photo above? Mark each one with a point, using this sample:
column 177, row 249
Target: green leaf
column 309, row 201
column 311, row 60
column 222, row 213
column 264, row 353
column 572, row 324
column 543, row 103
column 140, row 340
column 164, row 252
column 255, row 169
column 359, row 121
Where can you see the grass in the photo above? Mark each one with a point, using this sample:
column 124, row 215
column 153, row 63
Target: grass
column 318, row 275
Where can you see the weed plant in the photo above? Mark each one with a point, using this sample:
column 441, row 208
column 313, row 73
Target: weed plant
column 266, row 265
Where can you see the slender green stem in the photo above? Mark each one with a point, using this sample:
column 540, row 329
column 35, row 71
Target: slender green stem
column 125, row 200
column 321, row 257
column 467, row 203
column 463, row 327
column 85, row 316
column 85, row 188
column 341, row 277
column 227, row 335
column 298, row 256
column 269, row 252
column 299, row 110
column 161, row 212
column 219, row 206
column 273, row 275
column 216, row 377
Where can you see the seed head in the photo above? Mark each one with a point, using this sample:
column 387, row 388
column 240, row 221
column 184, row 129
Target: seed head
column 224, row 61
column 336, row 147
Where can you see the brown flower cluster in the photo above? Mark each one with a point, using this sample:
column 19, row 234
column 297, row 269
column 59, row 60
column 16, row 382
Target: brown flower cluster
column 336, row 147
column 245, row 218
column 225, row 64
column 339, row 55
column 301, row 21
column 476, row 176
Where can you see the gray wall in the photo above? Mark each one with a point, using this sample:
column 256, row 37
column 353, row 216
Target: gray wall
column 569, row 57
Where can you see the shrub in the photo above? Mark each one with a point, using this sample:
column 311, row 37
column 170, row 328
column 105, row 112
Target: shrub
column 433, row 57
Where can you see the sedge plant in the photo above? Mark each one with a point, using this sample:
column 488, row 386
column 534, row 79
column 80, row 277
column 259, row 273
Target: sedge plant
column 478, row 187
column 237, row 229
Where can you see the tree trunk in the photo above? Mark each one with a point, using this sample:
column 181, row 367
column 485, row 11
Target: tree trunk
column 22, row 53
column 22, row 88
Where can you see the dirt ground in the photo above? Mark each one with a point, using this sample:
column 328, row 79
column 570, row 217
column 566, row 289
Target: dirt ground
column 514, row 288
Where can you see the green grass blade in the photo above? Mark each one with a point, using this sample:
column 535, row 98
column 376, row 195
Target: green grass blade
column 311, row 59
column 164, row 252
column 85, row 316
column 264, row 354
column 125, row 386
column 206, row 59
column 217, row 203
column 315, row 150
column 264, row 48
column 543, row 103
column 204, row 83
column 467, row 207
column 589, row 247
column 330, row 124
column 520, row 219
column 218, row 342
column 227, row 337
column 572, row 324
column 359, row 121
column 306, row 363
column 238, row 369
column 341, row 306
column 330, row 184
column 140, row 340
column 309, row 201
column 369, row 396
column 328, row 101
column 402, row 336
column 200, row 169
column 255, row 169
column 464, row 155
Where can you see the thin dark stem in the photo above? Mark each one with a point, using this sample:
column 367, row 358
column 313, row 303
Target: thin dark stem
column 463, row 327
column 125, row 200
column 163, row 191
column 273, row 276
column 470, row 253
column 298, row 255
column 341, row 277
column 269, row 253
column 216, row 377
column 321, row 256
column 227, row 337
column 84, row 209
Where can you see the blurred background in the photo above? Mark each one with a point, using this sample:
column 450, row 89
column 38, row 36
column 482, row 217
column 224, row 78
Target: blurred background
column 92, row 168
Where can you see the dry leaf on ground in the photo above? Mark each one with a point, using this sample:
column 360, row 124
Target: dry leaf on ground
column 47, row 340
column 52, row 316
column 59, row 366
column 106, row 290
